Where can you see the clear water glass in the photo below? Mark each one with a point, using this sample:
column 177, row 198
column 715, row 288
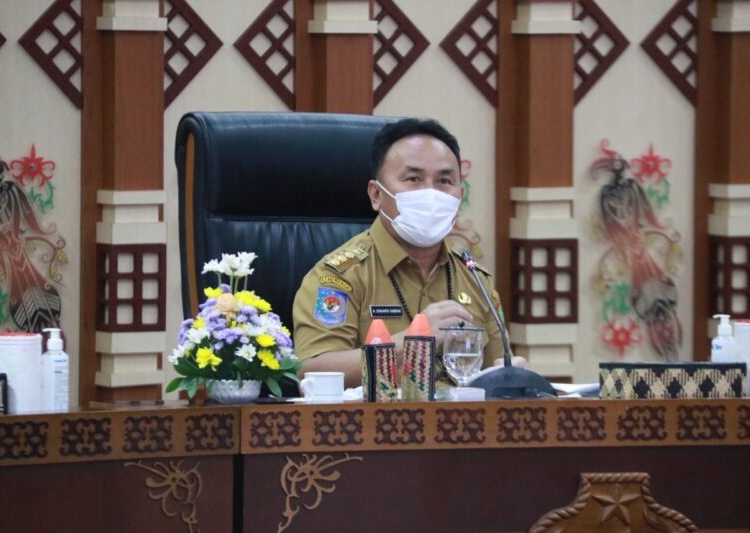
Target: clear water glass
column 463, row 352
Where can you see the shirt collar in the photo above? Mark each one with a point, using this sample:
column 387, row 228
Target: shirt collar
column 390, row 251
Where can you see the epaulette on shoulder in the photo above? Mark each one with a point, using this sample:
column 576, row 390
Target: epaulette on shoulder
column 345, row 258
column 481, row 268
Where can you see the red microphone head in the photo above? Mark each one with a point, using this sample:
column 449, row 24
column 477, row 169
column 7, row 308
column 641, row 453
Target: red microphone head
column 468, row 260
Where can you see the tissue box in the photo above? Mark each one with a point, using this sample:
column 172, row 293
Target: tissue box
column 630, row 381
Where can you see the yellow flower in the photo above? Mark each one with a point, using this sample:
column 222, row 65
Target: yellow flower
column 211, row 292
column 250, row 298
column 265, row 340
column 199, row 323
column 268, row 360
column 206, row 357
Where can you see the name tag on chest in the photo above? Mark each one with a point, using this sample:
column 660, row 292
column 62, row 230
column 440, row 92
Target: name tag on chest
column 386, row 311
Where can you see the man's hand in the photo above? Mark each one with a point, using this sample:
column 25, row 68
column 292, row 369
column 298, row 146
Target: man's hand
column 446, row 313
column 516, row 360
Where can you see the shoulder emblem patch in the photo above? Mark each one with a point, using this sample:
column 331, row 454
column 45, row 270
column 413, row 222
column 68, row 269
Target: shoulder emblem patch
column 330, row 306
column 336, row 282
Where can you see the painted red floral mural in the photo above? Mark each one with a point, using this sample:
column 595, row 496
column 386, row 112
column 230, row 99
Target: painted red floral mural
column 635, row 275
column 31, row 252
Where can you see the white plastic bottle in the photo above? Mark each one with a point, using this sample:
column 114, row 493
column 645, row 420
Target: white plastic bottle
column 55, row 374
column 723, row 346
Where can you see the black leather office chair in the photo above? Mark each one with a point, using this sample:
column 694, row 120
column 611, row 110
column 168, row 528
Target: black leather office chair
column 289, row 187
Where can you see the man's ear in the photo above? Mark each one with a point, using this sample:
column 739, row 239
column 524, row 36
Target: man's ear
column 373, row 191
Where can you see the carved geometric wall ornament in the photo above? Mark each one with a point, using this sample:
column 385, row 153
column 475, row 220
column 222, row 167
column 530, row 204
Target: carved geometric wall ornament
column 472, row 45
column 597, row 47
column 614, row 502
column 673, row 45
column 268, row 45
column 132, row 295
column 189, row 44
column 544, row 281
column 397, row 46
column 54, row 43
column 729, row 270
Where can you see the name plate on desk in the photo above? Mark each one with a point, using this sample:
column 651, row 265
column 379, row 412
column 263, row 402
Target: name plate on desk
column 632, row 381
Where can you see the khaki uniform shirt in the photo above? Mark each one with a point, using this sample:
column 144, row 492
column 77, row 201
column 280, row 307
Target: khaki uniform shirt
column 348, row 288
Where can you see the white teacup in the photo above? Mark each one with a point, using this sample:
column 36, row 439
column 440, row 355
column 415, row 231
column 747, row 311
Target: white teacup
column 323, row 386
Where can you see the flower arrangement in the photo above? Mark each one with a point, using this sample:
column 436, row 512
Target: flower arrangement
column 235, row 335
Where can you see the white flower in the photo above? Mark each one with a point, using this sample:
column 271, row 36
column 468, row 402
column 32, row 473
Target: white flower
column 252, row 330
column 245, row 259
column 197, row 335
column 176, row 354
column 269, row 324
column 285, row 351
column 212, row 266
column 246, row 351
column 229, row 264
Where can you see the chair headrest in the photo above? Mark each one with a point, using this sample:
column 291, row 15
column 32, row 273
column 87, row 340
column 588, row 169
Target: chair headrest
column 288, row 186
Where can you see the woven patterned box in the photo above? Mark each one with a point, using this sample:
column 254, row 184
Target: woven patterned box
column 629, row 381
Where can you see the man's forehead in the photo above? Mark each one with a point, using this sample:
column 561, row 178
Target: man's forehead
column 406, row 150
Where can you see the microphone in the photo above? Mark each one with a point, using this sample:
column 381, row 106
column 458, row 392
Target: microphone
column 505, row 381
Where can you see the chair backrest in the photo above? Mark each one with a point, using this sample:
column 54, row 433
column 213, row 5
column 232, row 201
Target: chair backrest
column 289, row 187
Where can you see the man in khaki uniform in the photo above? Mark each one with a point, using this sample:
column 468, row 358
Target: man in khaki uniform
column 402, row 265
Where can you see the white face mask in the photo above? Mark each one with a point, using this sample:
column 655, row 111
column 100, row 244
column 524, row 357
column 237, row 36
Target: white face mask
column 425, row 216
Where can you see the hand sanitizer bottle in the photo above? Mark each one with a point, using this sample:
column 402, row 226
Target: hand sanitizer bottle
column 723, row 346
column 55, row 374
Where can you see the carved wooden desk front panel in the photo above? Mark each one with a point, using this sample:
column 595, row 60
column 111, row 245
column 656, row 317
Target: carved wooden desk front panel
column 439, row 466
column 157, row 469
column 493, row 424
column 496, row 466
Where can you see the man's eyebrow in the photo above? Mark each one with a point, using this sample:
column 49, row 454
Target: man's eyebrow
column 447, row 170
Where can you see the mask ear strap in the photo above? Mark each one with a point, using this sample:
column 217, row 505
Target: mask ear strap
column 386, row 191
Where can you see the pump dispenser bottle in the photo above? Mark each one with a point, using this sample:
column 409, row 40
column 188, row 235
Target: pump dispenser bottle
column 723, row 346
column 55, row 374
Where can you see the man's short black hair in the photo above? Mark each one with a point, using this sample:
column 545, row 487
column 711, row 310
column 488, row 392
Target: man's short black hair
column 395, row 131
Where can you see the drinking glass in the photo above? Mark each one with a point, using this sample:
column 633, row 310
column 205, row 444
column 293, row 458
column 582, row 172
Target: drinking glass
column 462, row 352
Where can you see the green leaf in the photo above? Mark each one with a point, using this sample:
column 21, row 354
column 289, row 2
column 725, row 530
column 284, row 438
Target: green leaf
column 287, row 364
column 191, row 386
column 292, row 376
column 273, row 386
column 174, row 384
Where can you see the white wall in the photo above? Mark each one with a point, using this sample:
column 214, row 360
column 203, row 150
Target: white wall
column 34, row 111
column 435, row 87
column 226, row 83
column 633, row 105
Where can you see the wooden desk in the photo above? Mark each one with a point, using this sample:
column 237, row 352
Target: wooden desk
column 494, row 466
column 459, row 467
column 157, row 469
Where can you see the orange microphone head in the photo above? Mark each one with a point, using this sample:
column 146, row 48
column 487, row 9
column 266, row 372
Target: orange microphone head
column 419, row 327
column 378, row 333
